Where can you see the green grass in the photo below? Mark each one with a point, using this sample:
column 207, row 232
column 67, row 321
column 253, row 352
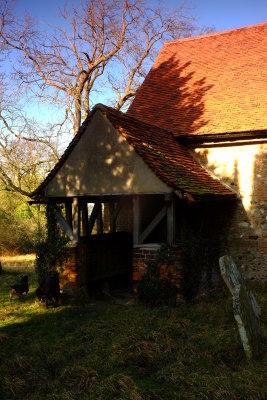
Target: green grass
column 98, row 351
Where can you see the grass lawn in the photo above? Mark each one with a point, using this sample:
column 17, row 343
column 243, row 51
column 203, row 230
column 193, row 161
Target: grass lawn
column 98, row 351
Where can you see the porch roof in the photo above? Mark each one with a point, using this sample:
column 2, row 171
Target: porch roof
column 170, row 161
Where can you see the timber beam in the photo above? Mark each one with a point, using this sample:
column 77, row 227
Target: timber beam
column 168, row 211
column 64, row 224
column 156, row 220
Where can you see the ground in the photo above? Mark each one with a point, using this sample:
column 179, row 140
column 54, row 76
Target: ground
column 90, row 352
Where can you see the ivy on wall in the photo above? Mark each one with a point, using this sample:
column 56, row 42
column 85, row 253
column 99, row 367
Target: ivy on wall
column 155, row 289
column 51, row 252
column 199, row 265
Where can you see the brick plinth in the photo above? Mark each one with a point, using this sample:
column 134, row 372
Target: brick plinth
column 144, row 254
column 74, row 268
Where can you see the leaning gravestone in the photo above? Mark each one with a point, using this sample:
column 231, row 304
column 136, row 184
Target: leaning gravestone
column 245, row 306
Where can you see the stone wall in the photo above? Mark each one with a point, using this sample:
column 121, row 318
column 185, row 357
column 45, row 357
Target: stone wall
column 244, row 168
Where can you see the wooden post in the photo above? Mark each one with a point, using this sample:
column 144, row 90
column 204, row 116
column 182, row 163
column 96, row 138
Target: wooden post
column 114, row 211
column 64, row 225
column 85, row 226
column 68, row 213
column 171, row 218
column 92, row 219
column 76, row 220
column 155, row 221
column 99, row 219
column 112, row 221
column 136, row 219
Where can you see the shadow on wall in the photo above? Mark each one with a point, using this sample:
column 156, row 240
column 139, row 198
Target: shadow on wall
column 235, row 166
column 221, row 162
column 102, row 162
column 244, row 169
column 182, row 98
column 204, row 240
column 104, row 159
column 256, row 267
column 258, row 200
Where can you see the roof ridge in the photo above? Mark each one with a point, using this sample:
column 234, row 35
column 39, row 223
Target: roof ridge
column 224, row 32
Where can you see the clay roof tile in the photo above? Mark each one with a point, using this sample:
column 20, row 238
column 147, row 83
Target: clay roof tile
column 170, row 161
column 214, row 83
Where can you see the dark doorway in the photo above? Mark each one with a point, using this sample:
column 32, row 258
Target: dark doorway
column 108, row 255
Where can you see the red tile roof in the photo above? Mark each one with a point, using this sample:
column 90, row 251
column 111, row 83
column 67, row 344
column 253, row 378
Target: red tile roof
column 169, row 160
column 214, row 83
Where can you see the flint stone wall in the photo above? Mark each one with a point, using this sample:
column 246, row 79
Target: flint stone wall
column 244, row 169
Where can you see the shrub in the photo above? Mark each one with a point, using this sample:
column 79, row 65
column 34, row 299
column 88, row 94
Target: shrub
column 20, row 224
column 50, row 252
column 153, row 289
column 199, row 265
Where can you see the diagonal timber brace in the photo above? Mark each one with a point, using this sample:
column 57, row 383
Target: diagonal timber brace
column 64, row 224
column 156, row 220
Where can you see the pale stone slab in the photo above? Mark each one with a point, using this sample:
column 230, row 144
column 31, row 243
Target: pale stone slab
column 233, row 277
column 245, row 307
column 247, row 322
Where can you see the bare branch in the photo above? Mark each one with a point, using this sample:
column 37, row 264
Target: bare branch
column 119, row 37
column 100, row 38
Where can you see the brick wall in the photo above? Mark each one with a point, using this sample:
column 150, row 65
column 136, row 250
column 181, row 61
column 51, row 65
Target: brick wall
column 244, row 168
column 96, row 258
column 73, row 275
column 143, row 254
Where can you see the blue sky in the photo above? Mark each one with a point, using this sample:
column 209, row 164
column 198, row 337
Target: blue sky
column 223, row 14
column 228, row 14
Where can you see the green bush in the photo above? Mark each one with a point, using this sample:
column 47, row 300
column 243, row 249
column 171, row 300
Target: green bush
column 199, row 264
column 20, row 224
column 51, row 252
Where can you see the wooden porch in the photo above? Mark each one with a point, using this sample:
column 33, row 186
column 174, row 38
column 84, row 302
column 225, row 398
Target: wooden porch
column 104, row 229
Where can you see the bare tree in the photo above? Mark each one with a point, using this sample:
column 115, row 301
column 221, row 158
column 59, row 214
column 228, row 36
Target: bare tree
column 99, row 42
column 154, row 26
column 24, row 160
column 27, row 150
